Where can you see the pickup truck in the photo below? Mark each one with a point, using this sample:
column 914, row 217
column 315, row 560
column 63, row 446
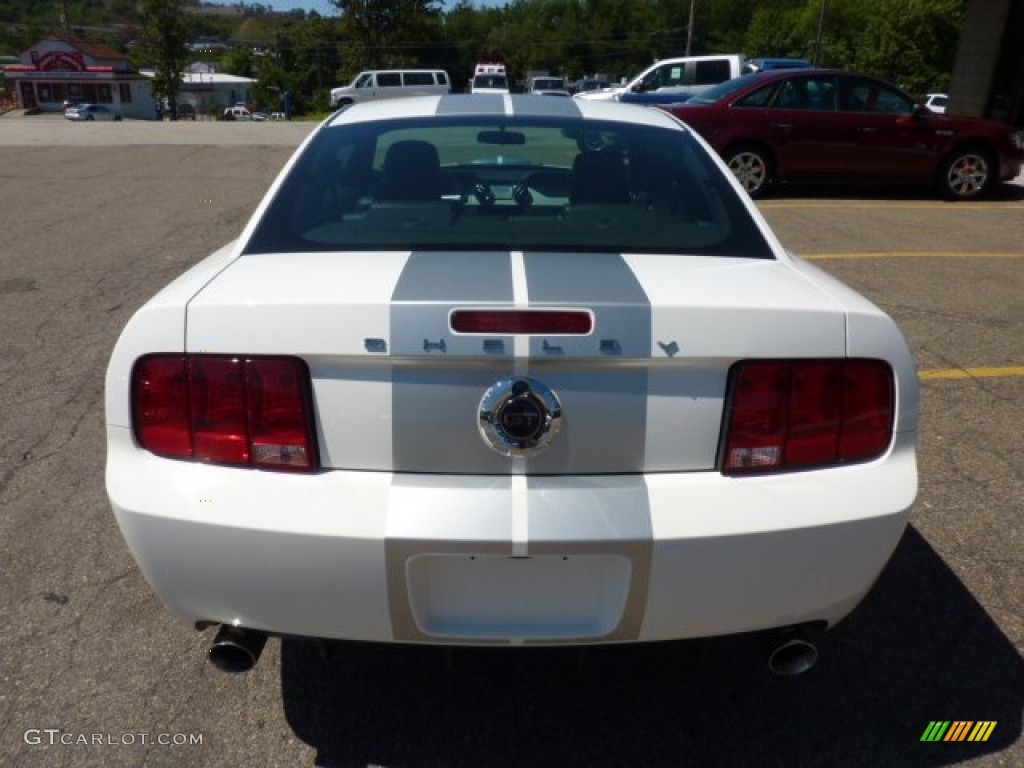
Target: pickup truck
column 673, row 80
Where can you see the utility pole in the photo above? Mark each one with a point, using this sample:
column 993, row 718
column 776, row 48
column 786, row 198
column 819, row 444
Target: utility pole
column 821, row 32
column 65, row 20
column 689, row 27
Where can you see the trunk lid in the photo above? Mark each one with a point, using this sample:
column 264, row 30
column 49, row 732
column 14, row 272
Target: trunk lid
column 395, row 389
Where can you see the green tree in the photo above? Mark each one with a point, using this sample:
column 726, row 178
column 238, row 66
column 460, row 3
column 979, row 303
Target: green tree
column 163, row 42
column 387, row 33
column 912, row 42
column 463, row 34
column 239, row 61
column 779, row 30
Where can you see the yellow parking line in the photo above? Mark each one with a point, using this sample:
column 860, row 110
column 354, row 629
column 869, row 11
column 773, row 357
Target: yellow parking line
column 891, row 205
column 912, row 255
column 971, row 373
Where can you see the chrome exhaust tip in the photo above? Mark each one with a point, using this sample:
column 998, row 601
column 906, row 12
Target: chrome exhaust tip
column 236, row 649
column 791, row 654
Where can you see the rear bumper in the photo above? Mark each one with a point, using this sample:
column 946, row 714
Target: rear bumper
column 508, row 560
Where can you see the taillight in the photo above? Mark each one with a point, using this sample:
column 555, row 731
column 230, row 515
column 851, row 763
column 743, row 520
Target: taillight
column 160, row 405
column 787, row 415
column 253, row 411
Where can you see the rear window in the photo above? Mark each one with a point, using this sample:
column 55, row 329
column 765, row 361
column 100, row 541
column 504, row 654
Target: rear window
column 722, row 91
column 713, row 72
column 507, row 183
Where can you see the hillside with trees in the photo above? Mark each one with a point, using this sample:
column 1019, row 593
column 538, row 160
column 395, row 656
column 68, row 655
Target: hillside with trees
column 912, row 42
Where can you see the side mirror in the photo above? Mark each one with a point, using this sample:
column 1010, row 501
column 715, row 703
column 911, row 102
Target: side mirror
column 919, row 114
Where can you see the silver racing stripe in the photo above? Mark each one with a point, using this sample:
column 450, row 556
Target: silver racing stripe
column 507, row 104
column 614, row 396
column 479, row 104
column 459, row 507
column 468, row 523
column 430, row 285
column 544, row 106
column 434, row 390
column 603, row 282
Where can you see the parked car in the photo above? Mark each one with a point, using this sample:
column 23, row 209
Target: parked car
column 90, row 112
column 936, row 102
column 547, row 86
column 826, row 126
column 509, row 372
column 585, row 84
column 186, row 111
column 391, row 84
column 673, row 80
column 237, row 113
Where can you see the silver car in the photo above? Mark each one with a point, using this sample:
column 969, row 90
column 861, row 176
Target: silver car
column 90, row 112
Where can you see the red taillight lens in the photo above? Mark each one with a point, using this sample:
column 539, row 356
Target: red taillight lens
column 225, row 409
column 867, row 410
column 217, row 406
column 786, row 415
column 160, row 405
column 278, row 408
column 565, row 322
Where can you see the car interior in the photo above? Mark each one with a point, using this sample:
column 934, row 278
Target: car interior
column 620, row 187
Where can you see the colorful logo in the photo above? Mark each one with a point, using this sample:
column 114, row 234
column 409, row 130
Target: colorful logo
column 958, row 730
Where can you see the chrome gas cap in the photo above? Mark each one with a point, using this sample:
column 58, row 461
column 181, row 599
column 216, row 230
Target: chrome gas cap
column 519, row 416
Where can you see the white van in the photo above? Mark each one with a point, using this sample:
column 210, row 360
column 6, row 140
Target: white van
column 390, row 84
column 674, row 79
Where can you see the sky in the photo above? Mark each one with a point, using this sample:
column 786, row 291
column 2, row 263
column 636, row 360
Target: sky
column 324, row 8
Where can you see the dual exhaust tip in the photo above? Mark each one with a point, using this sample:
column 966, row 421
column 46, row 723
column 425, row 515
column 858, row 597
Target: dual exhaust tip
column 790, row 652
column 236, row 650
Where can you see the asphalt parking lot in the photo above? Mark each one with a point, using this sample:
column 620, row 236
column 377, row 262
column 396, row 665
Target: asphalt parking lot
column 95, row 218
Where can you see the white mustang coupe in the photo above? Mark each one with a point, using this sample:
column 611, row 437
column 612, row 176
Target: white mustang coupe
column 509, row 370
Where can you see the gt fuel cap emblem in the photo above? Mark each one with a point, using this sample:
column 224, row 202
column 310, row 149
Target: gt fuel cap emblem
column 519, row 416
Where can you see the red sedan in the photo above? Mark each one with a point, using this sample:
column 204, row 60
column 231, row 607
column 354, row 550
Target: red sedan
column 830, row 126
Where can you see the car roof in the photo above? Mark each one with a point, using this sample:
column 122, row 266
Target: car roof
column 770, row 75
column 779, row 60
column 497, row 104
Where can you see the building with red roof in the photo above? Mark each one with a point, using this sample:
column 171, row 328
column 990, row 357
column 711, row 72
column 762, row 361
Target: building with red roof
column 61, row 68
